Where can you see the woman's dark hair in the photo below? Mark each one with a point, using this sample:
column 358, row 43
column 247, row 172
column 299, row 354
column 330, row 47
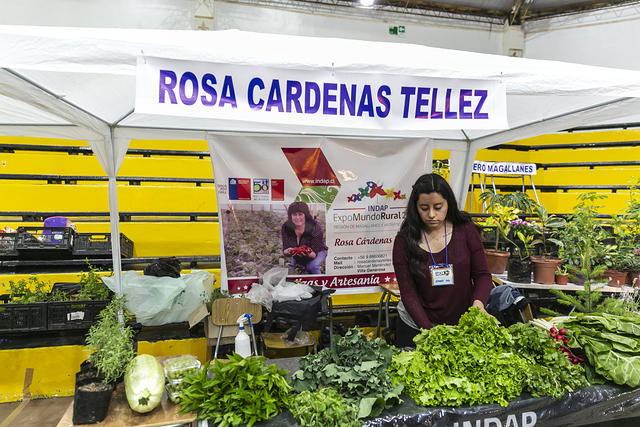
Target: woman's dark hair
column 412, row 225
column 308, row 218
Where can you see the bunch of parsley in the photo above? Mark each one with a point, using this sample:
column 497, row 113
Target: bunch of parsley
column 356, row 368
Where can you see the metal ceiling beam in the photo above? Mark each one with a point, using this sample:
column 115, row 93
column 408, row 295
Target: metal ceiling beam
column 575, row 8
column 521, row 10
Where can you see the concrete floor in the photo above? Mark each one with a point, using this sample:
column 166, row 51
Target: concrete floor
column 37, row 413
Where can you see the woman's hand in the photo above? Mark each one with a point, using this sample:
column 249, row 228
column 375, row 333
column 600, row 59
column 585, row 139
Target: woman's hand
column 287, row 251
column 312, row 255
column 480, row 305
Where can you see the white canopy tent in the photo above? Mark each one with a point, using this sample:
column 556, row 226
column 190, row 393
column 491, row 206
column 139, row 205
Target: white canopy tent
column 79, row 83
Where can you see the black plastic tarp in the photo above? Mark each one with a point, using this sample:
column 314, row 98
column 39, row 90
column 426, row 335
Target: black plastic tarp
column 587, row 406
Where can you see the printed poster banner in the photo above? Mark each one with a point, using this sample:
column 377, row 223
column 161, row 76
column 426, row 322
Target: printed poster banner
column 322, row 97
column 343, row 199
column 504, row 168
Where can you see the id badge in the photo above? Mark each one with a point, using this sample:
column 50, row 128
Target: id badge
column 441, row 274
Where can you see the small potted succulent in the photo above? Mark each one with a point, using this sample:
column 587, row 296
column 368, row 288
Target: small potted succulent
column 562, row 275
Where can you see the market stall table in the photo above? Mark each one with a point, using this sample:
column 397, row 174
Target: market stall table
column 120, row 414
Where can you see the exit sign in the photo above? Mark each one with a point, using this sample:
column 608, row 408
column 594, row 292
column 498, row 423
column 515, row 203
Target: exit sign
column 396, row 30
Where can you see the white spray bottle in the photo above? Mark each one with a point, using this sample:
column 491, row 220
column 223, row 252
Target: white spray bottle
column 243, row 343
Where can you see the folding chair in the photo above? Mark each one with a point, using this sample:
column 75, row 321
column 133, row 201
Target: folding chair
column 225, row 312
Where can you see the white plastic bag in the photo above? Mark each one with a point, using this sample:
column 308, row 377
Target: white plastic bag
column 161, row 300
column 261, row 294
column 290, row 291
column 275, row 276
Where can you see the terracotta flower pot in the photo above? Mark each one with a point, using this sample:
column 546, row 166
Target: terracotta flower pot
column 544, row 269
column 631, row 277
column 497, row 260
column 615, row 278
column 562, row 279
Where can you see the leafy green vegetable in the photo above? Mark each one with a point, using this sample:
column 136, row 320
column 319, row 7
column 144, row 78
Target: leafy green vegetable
column 611, row 344
column 470, row 363
column 324, row 407
column 549, row 373
column 356, row 368
column 217, row 293
column 242, row 391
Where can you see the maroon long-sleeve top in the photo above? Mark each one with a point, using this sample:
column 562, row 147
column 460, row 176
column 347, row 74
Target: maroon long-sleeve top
column 444, row 304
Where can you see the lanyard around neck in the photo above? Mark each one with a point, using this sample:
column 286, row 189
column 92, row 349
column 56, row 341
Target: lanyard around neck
column 446, row 256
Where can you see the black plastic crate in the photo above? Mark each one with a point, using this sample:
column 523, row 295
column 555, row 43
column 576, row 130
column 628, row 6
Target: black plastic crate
column 98, row 245
column 23, row 317
column 64, row 315
column 51, row 242
column 8, row 245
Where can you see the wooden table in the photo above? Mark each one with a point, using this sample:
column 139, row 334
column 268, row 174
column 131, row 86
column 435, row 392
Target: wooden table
column 121, row 415
column 388, row 289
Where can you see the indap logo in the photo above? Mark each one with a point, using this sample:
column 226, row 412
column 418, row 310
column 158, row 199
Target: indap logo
column 371, row 190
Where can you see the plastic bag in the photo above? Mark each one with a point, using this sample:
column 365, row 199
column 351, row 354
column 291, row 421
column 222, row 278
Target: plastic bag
column 275, row 276
column 290, row 291
column 164, row 267
column 161, row 300
column 261, row 294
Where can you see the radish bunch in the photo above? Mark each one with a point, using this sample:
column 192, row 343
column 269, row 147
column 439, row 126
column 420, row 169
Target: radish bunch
column 560, row 335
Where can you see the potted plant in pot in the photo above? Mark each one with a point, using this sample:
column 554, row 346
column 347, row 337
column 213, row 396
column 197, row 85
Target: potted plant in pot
column 545, row 264
column 587, row 300
column 561, row 275
column 111, row 346
column 632, row 266
column 583, row 232
column 500, row 219
column 519, row 266
column 616, row 273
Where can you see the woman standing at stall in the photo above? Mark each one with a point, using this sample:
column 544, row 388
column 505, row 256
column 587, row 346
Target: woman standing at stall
column 303, row 239
column 439, row 261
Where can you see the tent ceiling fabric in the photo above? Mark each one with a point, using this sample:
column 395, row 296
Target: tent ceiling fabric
column 49, row 71
column 79, row 83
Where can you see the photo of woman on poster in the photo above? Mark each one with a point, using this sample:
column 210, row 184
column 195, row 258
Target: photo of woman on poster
column 303, row 239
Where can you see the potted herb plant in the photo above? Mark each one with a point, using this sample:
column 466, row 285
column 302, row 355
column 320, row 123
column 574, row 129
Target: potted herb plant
column 545, row 264
column 500, row 219
column 111, row 346
column 27, row 305
column 587, row 300
column 561, row 275
column 583, row 232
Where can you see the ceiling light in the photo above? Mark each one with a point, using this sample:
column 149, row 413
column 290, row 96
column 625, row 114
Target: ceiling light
column 366, row 3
